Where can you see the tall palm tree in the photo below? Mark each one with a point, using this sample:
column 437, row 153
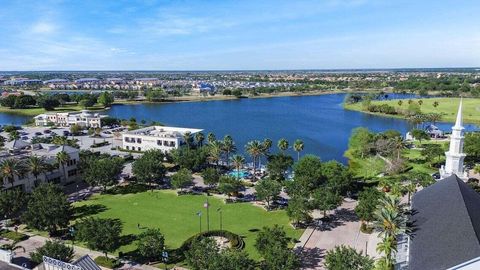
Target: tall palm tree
column 267, row 145
column 388, row 246
column 228, row 147
column 398, row 144
column 390, row 220
column 282, row 145
column 238, row 161
column 298, row 147
column 254, row 149
column 411, row 188
column 36, row 166
column 211, row 137
column 187, row 137
column 9, row 168
column 199, row 138
column 62, row 159
column 215, row 152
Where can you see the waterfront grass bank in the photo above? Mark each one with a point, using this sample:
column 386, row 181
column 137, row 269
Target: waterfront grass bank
column 447, row 107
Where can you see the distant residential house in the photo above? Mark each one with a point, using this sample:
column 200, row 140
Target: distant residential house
column 434, row 131
column 22, row 81
column 446, row 227
column 21, row 150
column 65, row 119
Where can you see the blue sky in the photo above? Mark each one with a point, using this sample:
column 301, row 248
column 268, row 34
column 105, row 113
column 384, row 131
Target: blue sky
column 240, row 34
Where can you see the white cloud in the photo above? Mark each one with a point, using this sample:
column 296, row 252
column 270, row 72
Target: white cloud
column 43, row 27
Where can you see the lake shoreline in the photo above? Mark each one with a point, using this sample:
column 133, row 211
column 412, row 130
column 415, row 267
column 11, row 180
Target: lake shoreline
column 36, row 111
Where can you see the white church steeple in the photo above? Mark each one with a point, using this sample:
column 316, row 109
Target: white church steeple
column 455, row 155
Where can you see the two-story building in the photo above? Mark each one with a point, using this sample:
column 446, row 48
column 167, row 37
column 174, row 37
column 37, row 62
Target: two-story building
column 84, row 118
column 156, row 137
column 20, row 151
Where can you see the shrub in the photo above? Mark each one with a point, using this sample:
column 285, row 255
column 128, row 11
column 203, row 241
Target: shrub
column 15, row 236
column 107, row 262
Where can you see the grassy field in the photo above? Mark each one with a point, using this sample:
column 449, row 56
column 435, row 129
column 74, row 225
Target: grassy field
column 37, row 111
column 176, row 216
column 448, row 107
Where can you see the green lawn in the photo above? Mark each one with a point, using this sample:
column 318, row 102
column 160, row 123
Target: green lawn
column 176, row 216
column 447, row 106
column 37, row 111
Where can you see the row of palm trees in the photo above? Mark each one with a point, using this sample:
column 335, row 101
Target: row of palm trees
column 390, row 222
column 13, row 167
column 223, row 149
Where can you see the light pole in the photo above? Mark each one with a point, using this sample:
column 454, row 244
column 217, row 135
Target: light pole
column 165, row 258
column 206, row 205
column 219, row 210
column 199, row 214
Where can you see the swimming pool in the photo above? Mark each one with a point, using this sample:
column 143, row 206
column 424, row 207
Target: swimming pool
column 240, row 174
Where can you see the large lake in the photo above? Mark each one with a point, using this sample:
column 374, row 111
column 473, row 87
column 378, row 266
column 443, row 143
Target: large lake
column 320, row 121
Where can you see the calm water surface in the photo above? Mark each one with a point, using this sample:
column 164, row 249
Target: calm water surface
column 320, row 121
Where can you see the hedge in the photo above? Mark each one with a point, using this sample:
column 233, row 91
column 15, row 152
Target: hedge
column 107, row 262
column 236, row 242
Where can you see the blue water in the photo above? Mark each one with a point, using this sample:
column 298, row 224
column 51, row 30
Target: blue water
column 320, row 121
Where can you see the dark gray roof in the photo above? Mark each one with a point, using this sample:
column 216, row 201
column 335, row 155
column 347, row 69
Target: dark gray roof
column 86, row 263
column 446, row 225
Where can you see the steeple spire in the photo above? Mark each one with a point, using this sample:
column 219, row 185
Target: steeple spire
column 459, row 121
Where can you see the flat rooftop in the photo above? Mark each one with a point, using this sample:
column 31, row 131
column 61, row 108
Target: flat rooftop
column 163, row 132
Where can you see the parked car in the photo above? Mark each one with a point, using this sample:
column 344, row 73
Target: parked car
column 66, row 133
column 38, row 133
column 47, row 131
column 24, row 138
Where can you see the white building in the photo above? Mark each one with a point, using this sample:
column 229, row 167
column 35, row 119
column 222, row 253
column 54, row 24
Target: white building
column 66, row 119
column 156, row 137
column 21, row 150
column 455, row 155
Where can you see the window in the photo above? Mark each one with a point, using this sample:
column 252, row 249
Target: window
column 126, row 147
column 72, row 172
column 159, row 142
column 139, row 140
column 127, row 139
column 139, row 149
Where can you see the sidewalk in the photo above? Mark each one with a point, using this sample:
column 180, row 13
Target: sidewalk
column 342, row 229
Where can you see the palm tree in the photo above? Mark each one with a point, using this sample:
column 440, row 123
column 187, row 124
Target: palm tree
column 62, row 159
column 238, row 161
column 435, row 104
column 434, row 117
column 387, row 246
column 211, row 137
column 254, row 149
column 411, row 188
column 298, row 147
column 9, row 168
column 36, row 165
column 228, row 147
column 390, row 220
column 282, row 145
column 199, row 138
column 398, row 145
column 215, row 152
column 187, row 137
column 267, row 144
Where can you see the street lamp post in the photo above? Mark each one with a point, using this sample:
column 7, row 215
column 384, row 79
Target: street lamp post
column 206, row 205
column 199, row 214
column 165, row 258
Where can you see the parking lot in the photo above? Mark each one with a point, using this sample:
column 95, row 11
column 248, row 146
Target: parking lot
column 85, row 141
